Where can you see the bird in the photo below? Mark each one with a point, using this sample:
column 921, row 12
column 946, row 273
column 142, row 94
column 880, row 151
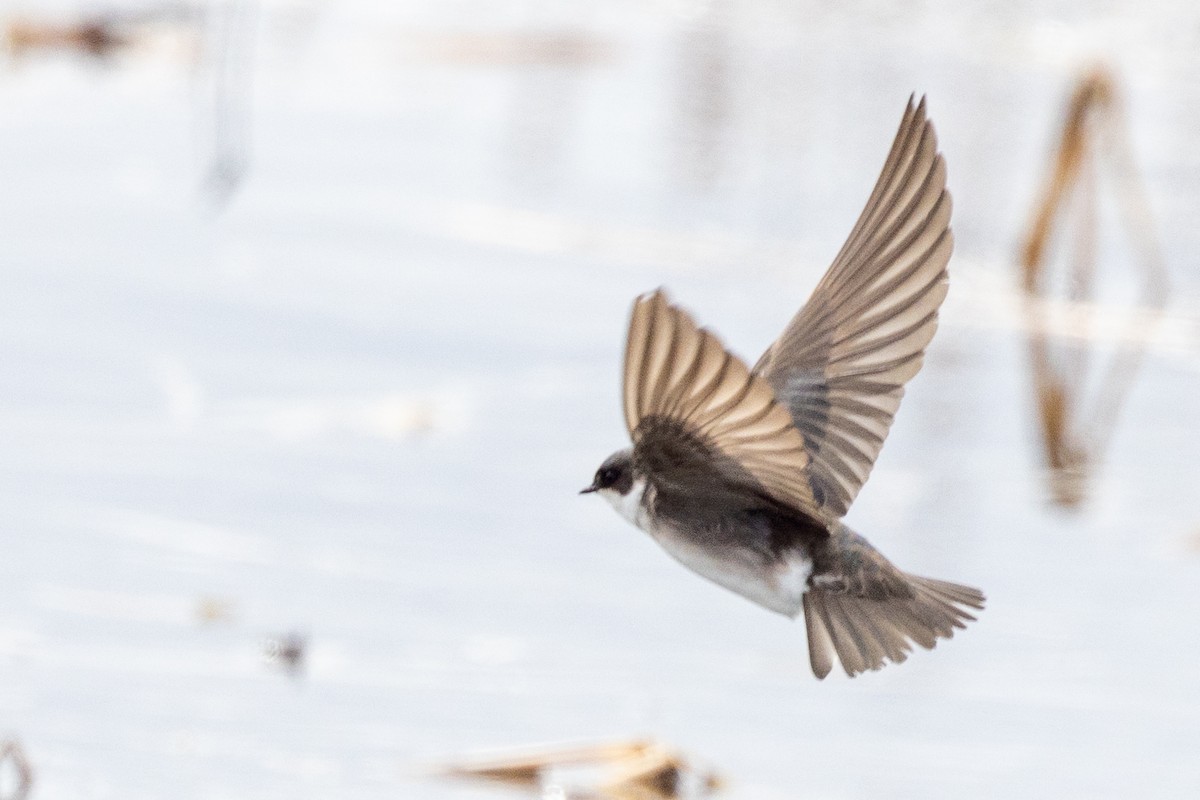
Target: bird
column 744, row 474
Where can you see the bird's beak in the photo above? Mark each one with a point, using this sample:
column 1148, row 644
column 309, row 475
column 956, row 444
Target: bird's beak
column 589, row 489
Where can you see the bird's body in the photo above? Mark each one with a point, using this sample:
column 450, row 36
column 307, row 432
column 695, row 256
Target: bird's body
column 743, row 475
column 732, row 548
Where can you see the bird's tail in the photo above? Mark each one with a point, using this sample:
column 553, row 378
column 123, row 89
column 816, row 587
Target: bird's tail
column 867, row 633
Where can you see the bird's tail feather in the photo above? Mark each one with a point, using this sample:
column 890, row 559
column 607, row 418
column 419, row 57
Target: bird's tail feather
column 867, row 633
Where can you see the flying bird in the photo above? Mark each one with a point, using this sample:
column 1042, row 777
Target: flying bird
column 744, row 475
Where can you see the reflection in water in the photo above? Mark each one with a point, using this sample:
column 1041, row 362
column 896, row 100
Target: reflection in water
column 565, row 48
column 386, row 252
column 545, row 100
column 1078, row 398
column 632, row 770
column 229, row 61
column 13, row 761
column 702, row 102
column 543, row 103
column 222, row 33
column 289, row 651
column 549, row 70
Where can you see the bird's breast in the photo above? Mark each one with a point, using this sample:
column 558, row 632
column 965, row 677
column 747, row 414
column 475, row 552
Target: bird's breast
column 776, row 582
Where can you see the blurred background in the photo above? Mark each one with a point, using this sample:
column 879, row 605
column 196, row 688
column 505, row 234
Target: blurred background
column 311, row 320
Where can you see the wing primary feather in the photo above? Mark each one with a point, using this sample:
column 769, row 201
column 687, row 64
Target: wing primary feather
column 852, row 307
column 883, row 343
column 635, row 344
column 757, row 416
column 682, row 384
column 648, row 366
column 838, row 289
column 700, row 400
column 909, row 123
column 666, row 369
column 899, row 287
column 717, row 413
column 852, row 262
column 880, row 207
column 845, row 357
column 849, row 433
column 846, row 445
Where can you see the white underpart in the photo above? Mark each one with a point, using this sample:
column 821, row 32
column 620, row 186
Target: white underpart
column 792, row 579
column 629, row 505
column 779, row 587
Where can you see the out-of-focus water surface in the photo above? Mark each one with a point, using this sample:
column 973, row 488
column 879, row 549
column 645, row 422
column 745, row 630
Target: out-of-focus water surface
column 357, row 402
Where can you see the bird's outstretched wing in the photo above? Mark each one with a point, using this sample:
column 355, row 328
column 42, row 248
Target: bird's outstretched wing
column 842, row 362
column 699, row 419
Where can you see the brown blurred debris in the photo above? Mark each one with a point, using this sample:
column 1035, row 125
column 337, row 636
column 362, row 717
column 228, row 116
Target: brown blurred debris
column 632, row 770
column 219, row 41
column 288, row 651
column 12, row 758
column 1193, row 541
column 98, row 37
column 659, row 773
column 528, row 48
column 213, row 610
column 1078, row 396
column 524, row 766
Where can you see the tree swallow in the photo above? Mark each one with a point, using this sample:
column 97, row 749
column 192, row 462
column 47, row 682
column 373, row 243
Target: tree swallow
column 744, row 475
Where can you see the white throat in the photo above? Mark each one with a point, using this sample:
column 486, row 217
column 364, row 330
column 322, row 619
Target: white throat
column 629, row 505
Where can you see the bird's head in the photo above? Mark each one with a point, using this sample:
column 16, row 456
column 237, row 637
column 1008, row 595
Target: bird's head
column 615, row 476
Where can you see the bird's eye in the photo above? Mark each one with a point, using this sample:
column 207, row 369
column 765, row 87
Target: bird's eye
column 607, row 476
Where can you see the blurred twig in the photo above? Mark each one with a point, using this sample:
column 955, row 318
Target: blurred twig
column 99, row 34
column 12, row 753
column 1093, row 145
column 230, row 36
column 98, row 37
column 631, row 770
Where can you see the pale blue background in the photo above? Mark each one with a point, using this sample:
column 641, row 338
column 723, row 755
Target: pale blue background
column 359, row 400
